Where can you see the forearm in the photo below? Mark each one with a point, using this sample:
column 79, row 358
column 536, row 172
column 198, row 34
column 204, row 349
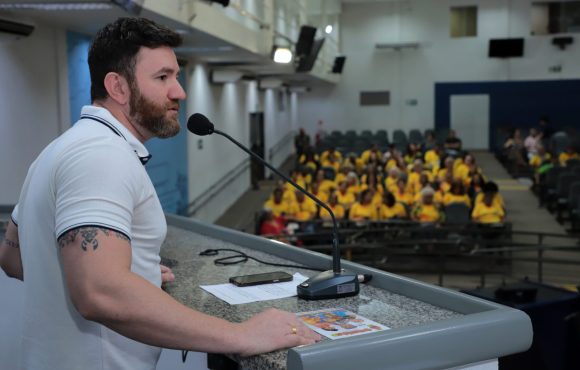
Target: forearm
column 10, row 260
column 141, row 311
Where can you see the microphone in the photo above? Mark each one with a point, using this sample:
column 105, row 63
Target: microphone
column 331, row 284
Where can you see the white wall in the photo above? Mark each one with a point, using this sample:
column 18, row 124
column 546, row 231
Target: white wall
column 32, row 76
column 411, row 74
column 228, row 106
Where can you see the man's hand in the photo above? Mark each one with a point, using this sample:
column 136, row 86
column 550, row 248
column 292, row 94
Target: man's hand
column 273, row 330
column 166, row 274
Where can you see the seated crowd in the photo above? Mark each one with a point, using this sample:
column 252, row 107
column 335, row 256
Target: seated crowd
column 537, row 152
column 416, row 185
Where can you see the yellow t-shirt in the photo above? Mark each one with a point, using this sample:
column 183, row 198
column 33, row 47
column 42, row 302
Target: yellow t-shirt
column 391, row 163
column 406, row 198
column 346, row 200
column 452, row 198
column 358, row 164
column 437, row 198
column 304, row 211
column 354, row 190
column 326, row 186
column 391, row 184
column 497, row 200
column 278, row 209
column 432, row 158
column 321, row 195
column 325, row 154
column 565, row 157
column 338, row 211
column 340, row 177
column 327, row 163
column 366, row 155
column 427, row 213
column 396, row 211
column 359, row 212
column 537, row 160
column 487, row 215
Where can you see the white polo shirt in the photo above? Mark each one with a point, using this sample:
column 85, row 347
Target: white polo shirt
column 91, row 175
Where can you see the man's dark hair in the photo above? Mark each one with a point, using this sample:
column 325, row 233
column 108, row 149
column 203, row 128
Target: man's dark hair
column 116, row 45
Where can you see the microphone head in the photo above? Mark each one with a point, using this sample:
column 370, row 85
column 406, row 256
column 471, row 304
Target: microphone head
column 199, row 125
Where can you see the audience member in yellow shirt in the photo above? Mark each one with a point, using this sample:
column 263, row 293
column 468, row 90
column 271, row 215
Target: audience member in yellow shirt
column 353, row 185
column 309, row 159
column 447, row 171
column 491, row 187
column 414, row 184
column 466, row 169
column 364, row 209
column 391, row 209
column 540, row 158
column 334, row 206
column 315, row 190
column 475, row 186
column 371, row 155
column 331, row 152
column 456, row 194
column 445, row 184
column 426, row 211
column 488, row 212
column 342, row 173
column 370, row 180
column 331, row 161
column 324, row 185
column 298, row 178
column 345, row 197
column 565, row 156
column 353, row 161
column 433, row 158
column 277, row 204
column 304, row 209
column 401, row 194
column 391, row 180
column 413, row 153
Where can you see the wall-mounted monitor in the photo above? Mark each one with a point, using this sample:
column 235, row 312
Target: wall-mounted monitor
column 506, row 48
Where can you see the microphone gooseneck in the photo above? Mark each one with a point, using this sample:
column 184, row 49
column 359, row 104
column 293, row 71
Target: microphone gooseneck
column 329, row 284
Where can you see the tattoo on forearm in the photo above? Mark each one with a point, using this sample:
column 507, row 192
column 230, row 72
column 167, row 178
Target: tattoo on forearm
column 12, row 243
column 89, row 237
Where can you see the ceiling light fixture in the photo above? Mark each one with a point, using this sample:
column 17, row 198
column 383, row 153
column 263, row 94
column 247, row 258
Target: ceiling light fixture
column 328, row 29
column 282, row 55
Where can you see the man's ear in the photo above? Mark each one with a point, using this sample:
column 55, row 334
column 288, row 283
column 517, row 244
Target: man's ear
column 118, row 88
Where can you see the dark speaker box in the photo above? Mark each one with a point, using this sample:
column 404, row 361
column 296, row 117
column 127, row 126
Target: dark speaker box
column 338, row 64
column 305, row 41
column 562, row 42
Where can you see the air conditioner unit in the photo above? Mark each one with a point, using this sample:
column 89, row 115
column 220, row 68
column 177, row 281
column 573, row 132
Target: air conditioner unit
column 13, row 30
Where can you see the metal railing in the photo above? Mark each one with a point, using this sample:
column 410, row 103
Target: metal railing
column 372, row 243
column 276, row 148
column 212, row 191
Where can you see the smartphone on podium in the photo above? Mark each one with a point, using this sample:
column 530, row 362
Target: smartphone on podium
column 257, row 279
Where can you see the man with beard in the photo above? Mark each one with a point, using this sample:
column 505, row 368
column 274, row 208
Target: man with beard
column 87, row 230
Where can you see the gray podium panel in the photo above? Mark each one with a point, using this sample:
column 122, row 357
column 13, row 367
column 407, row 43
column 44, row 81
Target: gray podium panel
column 431, row 327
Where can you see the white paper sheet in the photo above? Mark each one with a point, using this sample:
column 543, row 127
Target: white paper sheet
column 265, row 292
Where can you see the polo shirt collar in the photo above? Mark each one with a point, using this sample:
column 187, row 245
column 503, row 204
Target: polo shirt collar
column 103, row 116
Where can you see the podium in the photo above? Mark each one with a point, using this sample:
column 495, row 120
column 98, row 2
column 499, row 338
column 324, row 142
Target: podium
column 431, row 327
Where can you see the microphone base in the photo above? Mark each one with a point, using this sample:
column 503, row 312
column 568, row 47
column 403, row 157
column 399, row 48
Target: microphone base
column 329, row 285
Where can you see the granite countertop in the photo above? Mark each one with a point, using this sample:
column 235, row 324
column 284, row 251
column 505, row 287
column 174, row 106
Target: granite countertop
column 192, row 270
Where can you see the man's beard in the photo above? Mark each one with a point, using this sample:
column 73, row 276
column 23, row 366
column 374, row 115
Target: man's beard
column 152, row 116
